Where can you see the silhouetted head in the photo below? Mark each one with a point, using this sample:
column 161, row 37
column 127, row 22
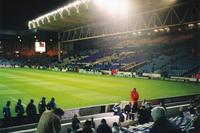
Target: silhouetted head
column 31, row 101
column 69, row 130
column 19, row 101
column 134, row 89
column 87, row 123
column 103, row 121
column 75, row 116
column 43, row 98
column 115, row 124
column 92, row 119
column 52, row 99
column 8, row 103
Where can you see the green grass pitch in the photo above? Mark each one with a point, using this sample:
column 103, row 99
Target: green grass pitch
column 73, row 90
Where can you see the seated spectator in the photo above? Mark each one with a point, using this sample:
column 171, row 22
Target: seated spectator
column 191, row 109
column 31, row 111
column 143, row 115
column 50, row 121
column 103, row 127
column 127, row 110
column 42, row 105
column 162, row 104
column 88, row 128
column 76, row 124
column 51, row 104
column 116, row 108
column 118, row 111
column 146, row 104
column 19, row 109
column 115, row 128
column 162, row 124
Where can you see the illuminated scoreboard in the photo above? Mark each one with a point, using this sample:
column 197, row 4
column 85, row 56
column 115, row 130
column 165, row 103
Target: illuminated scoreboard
column 40, row 47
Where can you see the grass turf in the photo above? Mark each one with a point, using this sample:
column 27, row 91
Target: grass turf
column 72, row 90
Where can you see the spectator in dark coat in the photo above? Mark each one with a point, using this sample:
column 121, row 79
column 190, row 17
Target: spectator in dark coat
column 162, row 124
column 75, row 123
column 31, row 111
column 42, row 105
column 50, row 121
column 127, row 110
column 6, row 110
column 51, row 104
column 7, row 114
column 88, row 127
column 103, row 127
column 144, row 115
column 19, row 108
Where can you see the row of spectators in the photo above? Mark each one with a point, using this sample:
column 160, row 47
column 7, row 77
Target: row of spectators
column 30, row 110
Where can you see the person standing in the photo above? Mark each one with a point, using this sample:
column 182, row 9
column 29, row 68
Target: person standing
column 19, row 108
column 31, row 111
column 127, row 110
column 76, row 124
column 50, row 121
column 51, row 104
column 42, row 105
column 93, row 125
column 7, row 113
column 134, row 97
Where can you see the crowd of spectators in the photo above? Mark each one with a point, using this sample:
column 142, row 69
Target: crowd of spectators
column 145, row 118
column 30, row 110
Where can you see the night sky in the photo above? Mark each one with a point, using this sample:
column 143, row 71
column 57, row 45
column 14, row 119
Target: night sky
column 15, row 14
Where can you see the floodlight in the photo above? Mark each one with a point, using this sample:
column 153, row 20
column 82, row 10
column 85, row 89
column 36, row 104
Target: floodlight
column 114, row 7
column 190, row 25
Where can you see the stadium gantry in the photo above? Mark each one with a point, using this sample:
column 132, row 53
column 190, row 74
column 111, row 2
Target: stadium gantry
column 88, row 19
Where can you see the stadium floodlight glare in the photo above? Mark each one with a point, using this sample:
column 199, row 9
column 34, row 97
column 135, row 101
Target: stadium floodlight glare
column 36, row 22
column 155, row 30
column 114, row 7
column 167, row 29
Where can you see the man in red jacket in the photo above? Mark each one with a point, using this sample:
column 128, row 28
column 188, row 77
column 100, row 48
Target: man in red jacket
column 134, row 97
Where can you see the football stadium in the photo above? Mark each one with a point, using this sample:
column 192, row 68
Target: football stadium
column 100, row 66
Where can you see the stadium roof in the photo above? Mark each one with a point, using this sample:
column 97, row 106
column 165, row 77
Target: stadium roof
column 84, row 12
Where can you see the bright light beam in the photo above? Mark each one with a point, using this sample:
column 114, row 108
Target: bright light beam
column 113, row 7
